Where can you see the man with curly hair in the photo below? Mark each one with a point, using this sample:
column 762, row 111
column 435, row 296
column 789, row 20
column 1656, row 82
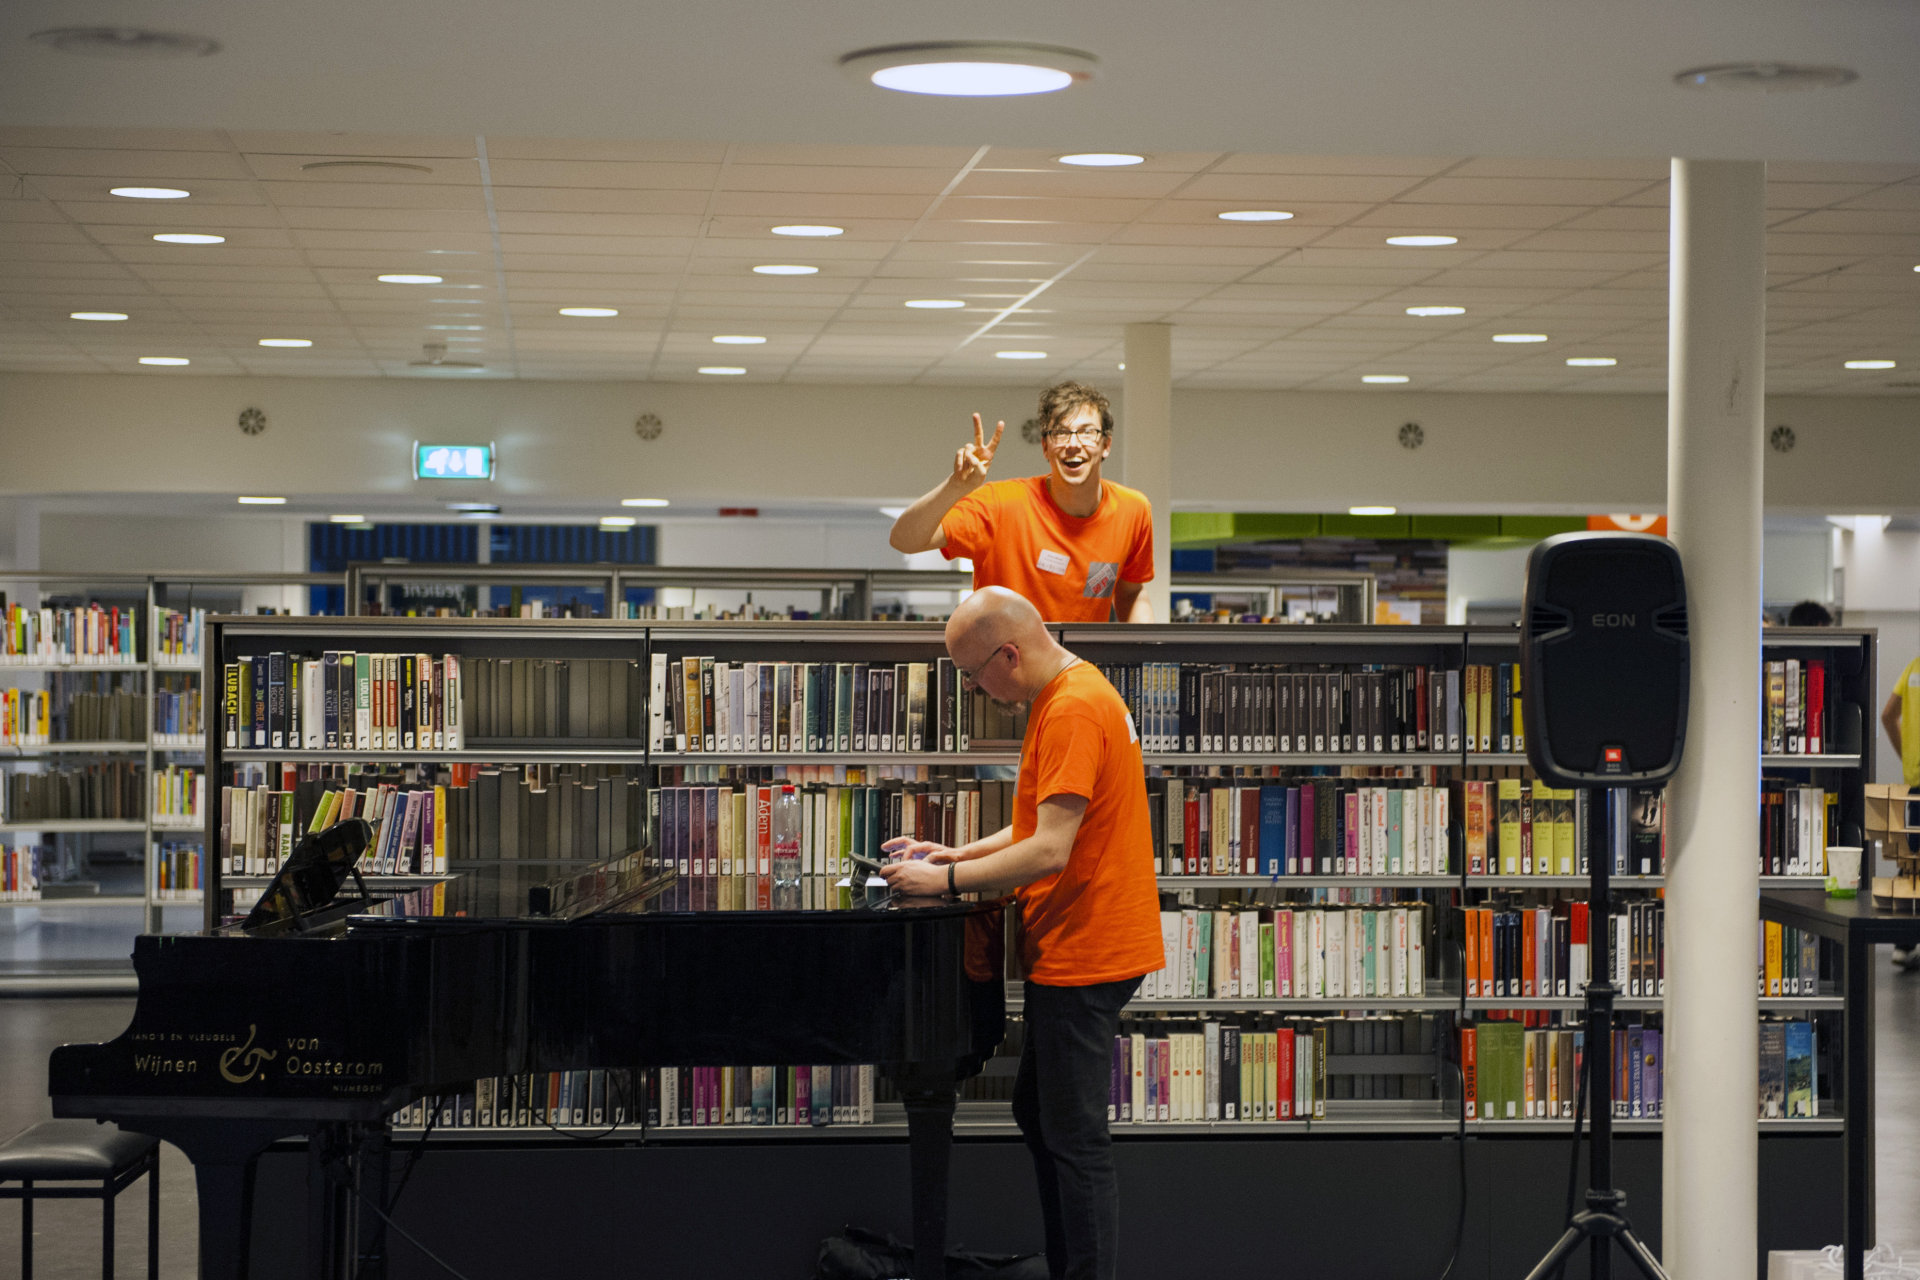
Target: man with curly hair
column 1080, row 548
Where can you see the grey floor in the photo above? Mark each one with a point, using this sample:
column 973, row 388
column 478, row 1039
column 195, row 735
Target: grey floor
column 67, row 1233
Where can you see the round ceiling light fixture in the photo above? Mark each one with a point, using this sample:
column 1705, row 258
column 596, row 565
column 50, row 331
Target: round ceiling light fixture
column 1101, row 159
column 188, row 237
column 1519, row 337
column 1379, row 379
column 1591, row 362
column 590, row 313
column 1422, row 242
column 738, row 339
column 971, row 69
column 286, row 342
column 1255, row 215
column 1765, row 77
column 1871, row 364
column 149, row 193
column 785, row 269
column 809, row 230
column 1020, row 355
column 935, row 304
column 167, row 361
column 1436, row 311
column 721, row 370
column 125, row 42
column 408, row 277
column 96, row 315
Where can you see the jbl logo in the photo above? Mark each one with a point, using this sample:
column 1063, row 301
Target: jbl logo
column 1615, row 620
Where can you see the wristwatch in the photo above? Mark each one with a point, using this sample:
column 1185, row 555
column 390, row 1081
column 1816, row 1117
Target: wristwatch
column 951, row 887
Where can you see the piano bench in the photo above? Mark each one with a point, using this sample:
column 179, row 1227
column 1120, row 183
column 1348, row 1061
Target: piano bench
column 81, row 1151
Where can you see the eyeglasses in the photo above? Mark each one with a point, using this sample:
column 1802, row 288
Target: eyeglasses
column 1065, row 436
column 972, row 677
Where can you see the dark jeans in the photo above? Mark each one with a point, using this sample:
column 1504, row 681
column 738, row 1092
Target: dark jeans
column 1060, row 1104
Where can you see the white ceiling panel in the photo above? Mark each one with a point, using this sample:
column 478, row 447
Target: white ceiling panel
column 668, row 231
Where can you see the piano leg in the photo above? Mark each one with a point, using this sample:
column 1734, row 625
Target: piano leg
column 222, row 1153
column 928, row 1090
column 329, row 1178
column 371, row 1237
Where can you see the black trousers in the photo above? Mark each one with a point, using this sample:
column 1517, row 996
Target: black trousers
column 1060, row 1103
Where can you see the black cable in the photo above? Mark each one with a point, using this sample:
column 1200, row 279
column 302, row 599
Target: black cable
column 1573, row 1161
column 406, row 1235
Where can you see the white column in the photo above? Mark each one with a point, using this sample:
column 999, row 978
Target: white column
column 1147, row 456
column 1716, row 375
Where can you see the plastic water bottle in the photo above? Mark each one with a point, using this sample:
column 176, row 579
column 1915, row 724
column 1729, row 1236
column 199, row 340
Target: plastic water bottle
column 786, row 850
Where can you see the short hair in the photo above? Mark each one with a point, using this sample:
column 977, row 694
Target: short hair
column 1809, row 613
column 1061, row 399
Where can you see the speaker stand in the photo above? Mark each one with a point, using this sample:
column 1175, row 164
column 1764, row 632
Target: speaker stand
column 1604, row 1222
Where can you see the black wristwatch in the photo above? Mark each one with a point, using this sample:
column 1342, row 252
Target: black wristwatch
column 952, row 888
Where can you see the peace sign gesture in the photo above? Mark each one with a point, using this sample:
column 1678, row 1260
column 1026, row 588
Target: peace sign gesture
column 970, row 461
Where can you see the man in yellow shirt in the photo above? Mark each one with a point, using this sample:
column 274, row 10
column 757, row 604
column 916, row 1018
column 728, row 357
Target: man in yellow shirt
column 1901, row 719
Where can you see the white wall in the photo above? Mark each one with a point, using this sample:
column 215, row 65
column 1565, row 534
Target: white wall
column 138, row 544
column 764, row 445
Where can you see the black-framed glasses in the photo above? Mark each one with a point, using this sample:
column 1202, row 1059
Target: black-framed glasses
column 1072, row 435
column 973, row 677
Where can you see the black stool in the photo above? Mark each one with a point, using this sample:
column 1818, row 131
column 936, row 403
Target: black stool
column 81, row 1151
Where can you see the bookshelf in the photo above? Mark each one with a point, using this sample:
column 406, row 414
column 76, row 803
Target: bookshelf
column 841, row 593
column 633, row 753
column 96, row 863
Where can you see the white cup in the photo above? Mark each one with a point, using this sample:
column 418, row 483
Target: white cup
column 1843, row 870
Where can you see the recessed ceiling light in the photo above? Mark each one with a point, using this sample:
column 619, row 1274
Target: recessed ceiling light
column 188, row 237
column 1254, row 215
column 261, row 502
column 1766, row 77
column 1422, row 242
column 1436, row 311
column 738, row 339
column 1373, row 511
column 1870, row 364
column 407, row 277
column 1020, row 355
column 96, row 315
column 1123, row 366
column 286, row 342
column 949, row 304
column 165, row 360
column 804, row 229
column 1101, row 159
column 722, row 370
column 150, row 193
column 1592, row 362
column 1519, row 337
column 125, row 42
column 589, row 312
column 346, row 519
column 966, row 69
column 468, row 328
column 785, row 269
column 1385, row 377
column 644, row 502
column 618, row 522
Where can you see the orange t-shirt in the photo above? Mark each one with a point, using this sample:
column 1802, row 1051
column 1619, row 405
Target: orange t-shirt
column 1098, row 919
column 1067, row 566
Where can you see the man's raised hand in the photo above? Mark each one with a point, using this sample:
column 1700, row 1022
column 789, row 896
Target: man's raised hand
column 971, row 461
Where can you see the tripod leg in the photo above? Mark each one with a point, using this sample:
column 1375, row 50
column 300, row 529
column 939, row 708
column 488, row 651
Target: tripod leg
column 1557, row 1256
column 1638, row 1253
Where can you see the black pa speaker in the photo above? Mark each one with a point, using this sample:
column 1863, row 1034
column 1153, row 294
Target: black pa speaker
column 1604, row 660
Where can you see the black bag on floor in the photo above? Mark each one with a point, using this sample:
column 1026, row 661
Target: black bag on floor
column 859, row 1254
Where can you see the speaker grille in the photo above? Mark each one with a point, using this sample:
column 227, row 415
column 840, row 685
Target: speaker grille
column 1672, row 619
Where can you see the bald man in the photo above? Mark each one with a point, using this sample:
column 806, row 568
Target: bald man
column 1079, row 857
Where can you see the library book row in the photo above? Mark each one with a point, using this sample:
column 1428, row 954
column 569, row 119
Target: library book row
column 663, row 1097
column 175, row 872
column 83, row 707
column 702, row 704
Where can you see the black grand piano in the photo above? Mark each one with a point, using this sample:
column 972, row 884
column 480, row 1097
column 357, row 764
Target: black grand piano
column 321, row 1022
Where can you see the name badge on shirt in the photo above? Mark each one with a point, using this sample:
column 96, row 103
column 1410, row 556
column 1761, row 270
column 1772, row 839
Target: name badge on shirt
column 1053, row 562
